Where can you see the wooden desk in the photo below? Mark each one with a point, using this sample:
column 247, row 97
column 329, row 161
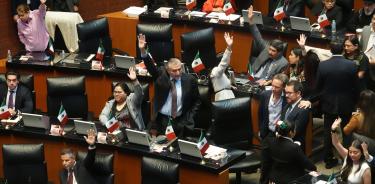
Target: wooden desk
column 127, row 158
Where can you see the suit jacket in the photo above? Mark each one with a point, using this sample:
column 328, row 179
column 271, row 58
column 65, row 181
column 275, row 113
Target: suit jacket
column 283, row 161
column 81, row 170
column 24, row 101
column 190, row 95
column 279, row 64
column 134, row 103
column 336, row 13
column 337, row 81
column 295, row 8
column 366, row 33
column 300, row 117
column 34, row 4
column 264, row 113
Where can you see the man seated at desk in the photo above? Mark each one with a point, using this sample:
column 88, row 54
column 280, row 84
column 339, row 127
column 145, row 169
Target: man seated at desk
column 290, row 7
column 362, row 17
column 78, row 171
column 32, row 30
column 270, row 60
column 176, row 94
column 17, row 97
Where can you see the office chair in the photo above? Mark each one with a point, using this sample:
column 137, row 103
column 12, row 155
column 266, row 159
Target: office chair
column 71, row 93
column 102, row 170
column 24, row 163
column 203, row 116
column 26, row 80
column 256, row 49
column 89, row 35
column 233, row 117
column 159, row 41
column 203, row 41
column 155, row 171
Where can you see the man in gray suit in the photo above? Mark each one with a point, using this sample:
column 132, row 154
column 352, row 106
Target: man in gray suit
column 270, row 60
column 368, row 35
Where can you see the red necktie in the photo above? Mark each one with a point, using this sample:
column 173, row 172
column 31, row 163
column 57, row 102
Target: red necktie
column 174, row 98
column 70, row 177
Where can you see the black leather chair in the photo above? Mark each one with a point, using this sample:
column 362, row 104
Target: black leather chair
column 155, row 171
column 232, row 127
column 102, row 170
column 69, row 91
column 146, row 103
column 89, row 35
column 159, row 41
column 26, row 80
column 256, row 50
column 203, row 41
column 203, row 116
column 24, row 163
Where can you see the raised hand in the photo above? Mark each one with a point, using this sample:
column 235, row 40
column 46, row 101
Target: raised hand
column 132, row 75
column 336, row 124
column 90, row 138
column 142, row 41
column 43, row 1
column 228, row 39
column 302, row 40
column 250, row 15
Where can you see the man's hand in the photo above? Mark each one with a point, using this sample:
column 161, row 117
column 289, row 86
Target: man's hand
column 302, row 40
column 42, row 1
column 142, row 43
column 12, row 111
column 250, row 15
column 75, row 8
column 132, row 75
column 336, row 124
column 304, row 104
column 228, row 39
column 261, row 82
column 90, row 138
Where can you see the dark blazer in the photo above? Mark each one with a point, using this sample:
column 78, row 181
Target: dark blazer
column 337, row 81
column 283, row 161
column 300, row 117
column 34, row 4
column 190, row 94
column 81, row 170
column 263, row 112
column 295, row 8
column 24, row 101
column 336, row 13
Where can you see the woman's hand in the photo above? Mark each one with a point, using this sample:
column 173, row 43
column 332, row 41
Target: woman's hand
column 302, row 40
column 228, row 39
column 132, row 75
column 336, row 124
column 250, row 14
column 142, row 43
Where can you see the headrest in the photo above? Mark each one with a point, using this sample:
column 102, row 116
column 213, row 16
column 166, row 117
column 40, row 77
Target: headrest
column 155, row 32
column 63, row 86
column 103, row 162
column 93, row 29
column 198, row 39
column 23, row 153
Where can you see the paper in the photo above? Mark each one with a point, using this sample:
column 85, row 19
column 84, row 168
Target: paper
column 231, row 17
column 197, row 14
column 159, row 10
column 213, row 15
column 371, row 52
column 134, row 11
column 215, row 153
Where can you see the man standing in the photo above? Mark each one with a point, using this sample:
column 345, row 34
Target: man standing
column 295, row 114
column 337, row 83
column 78, row 171
column 33, row 4
column 32, row 30
column 270, row 60
column 17, row 97
column 176, row 94
column 271, row 104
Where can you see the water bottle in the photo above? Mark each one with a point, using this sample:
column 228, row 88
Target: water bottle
column 9, row 56
column 333, row 27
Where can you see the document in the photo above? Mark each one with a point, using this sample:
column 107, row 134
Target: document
column 163, row 9
column 134, row 11
column 197, row 14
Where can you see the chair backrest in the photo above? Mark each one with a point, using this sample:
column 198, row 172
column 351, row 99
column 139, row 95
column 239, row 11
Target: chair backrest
column 203, row 41
column 24, row 163
column 26, row 80
column 159, row 41
column 90, row 33
column 232, row 117
column 70, row 92
column 203, row 116
column 155, row 171
column 102, row 170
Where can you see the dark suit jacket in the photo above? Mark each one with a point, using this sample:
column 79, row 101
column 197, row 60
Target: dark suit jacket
column 24, row 101
column 190, row 94
column 337, row 81
column 336, row 13
column 263, row 112
column 34, row 4
column 283, row 161
column 295, row 8
column 300, row 117
column 81, row 170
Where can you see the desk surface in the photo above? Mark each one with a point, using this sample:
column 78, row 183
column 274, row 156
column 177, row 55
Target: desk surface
column 121, row 150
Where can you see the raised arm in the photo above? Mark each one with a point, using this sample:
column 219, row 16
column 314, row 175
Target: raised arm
column 151, row 68
column 138, row 93
column 255, row 31
column 225, row 61
column 343, row 152
column 301, row 42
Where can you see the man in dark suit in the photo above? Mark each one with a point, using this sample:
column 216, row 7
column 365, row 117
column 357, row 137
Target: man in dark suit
column 78, row 171
column 337, row 84
column 362, row 17
column 176, row 94
column 295, row 114
column 16, row 96
column 333, row 12
column 33, row 4
column 271, row 104
column 291, row 8
column 270, row 60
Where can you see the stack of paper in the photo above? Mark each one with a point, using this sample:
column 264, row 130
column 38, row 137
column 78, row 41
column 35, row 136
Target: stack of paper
column 197, row 14
column 134, row 11
column 215, row 153
column 161, row 9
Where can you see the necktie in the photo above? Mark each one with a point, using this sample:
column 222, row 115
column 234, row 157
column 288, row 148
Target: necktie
column 174, row 98
column 10, row 99
column 70, row 177
column 288, row 112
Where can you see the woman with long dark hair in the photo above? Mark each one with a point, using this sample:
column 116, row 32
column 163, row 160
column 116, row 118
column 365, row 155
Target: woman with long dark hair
column 355, row 169
column 294, row 69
